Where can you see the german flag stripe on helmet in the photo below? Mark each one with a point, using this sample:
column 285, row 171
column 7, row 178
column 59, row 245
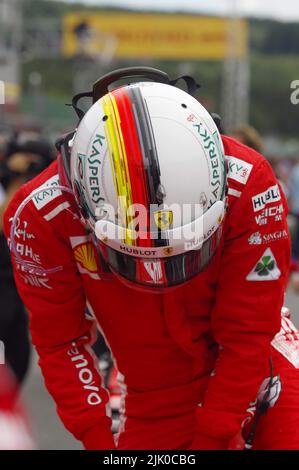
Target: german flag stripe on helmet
column 135, row 163
column 149, row 153
column 118, row 160
column 129, row 132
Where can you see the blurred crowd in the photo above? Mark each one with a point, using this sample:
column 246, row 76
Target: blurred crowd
column 23, row 155
column 287, row 173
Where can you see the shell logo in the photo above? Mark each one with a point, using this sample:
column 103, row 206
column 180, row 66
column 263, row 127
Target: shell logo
column 84, row 254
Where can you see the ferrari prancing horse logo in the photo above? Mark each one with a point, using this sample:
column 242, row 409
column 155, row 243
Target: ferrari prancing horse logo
column 163, row 219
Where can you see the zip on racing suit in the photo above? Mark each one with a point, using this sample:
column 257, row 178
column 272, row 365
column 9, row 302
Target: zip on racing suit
column 181, row 390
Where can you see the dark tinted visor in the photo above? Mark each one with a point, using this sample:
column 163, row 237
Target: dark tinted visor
column 161, row 272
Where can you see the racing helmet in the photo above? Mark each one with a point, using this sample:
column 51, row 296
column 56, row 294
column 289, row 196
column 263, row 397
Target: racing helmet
column 148, row 172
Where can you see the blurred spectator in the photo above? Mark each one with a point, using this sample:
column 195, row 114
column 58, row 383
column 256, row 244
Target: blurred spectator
column 283, row 170
column 288, row 178
column 249, row 136
column 3, row 141
column 2, row 194
column 294, row 205
column 25, row 155
column 15, row 433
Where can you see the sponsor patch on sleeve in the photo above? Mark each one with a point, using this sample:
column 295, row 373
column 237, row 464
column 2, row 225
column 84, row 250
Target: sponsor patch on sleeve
column 258, row 238
column 260, row 201
column 85, row 256
column 266, row 268
column 238, row 170
column 270, row 214
column 47, row 193
column 36, row 281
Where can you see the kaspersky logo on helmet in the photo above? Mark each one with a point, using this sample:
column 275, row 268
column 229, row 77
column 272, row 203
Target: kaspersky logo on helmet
column 213, row 149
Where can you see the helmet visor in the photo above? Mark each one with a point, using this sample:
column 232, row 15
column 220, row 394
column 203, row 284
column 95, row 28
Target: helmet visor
column 161, row 272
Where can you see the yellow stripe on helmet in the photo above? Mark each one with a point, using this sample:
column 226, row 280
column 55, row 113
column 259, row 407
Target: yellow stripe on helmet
column 118, row 162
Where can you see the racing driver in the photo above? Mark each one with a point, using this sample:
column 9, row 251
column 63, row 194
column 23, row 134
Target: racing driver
column 176, row 239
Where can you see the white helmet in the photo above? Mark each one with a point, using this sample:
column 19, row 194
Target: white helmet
column 148, row 173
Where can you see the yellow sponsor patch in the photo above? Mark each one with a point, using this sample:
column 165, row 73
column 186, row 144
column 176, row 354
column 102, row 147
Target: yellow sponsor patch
column 163, row 219
column 84, row 254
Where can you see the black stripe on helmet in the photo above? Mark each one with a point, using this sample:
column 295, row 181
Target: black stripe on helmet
column 150, row 155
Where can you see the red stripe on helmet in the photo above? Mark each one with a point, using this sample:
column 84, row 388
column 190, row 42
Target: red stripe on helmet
column 134, row 158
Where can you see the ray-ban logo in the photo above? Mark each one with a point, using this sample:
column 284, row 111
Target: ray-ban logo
column 295, row 93
column 2, row 92
column 2, row 353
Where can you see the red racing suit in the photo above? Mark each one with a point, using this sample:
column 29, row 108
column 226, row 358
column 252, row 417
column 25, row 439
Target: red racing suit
column 277, row 428
column 191, row 360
